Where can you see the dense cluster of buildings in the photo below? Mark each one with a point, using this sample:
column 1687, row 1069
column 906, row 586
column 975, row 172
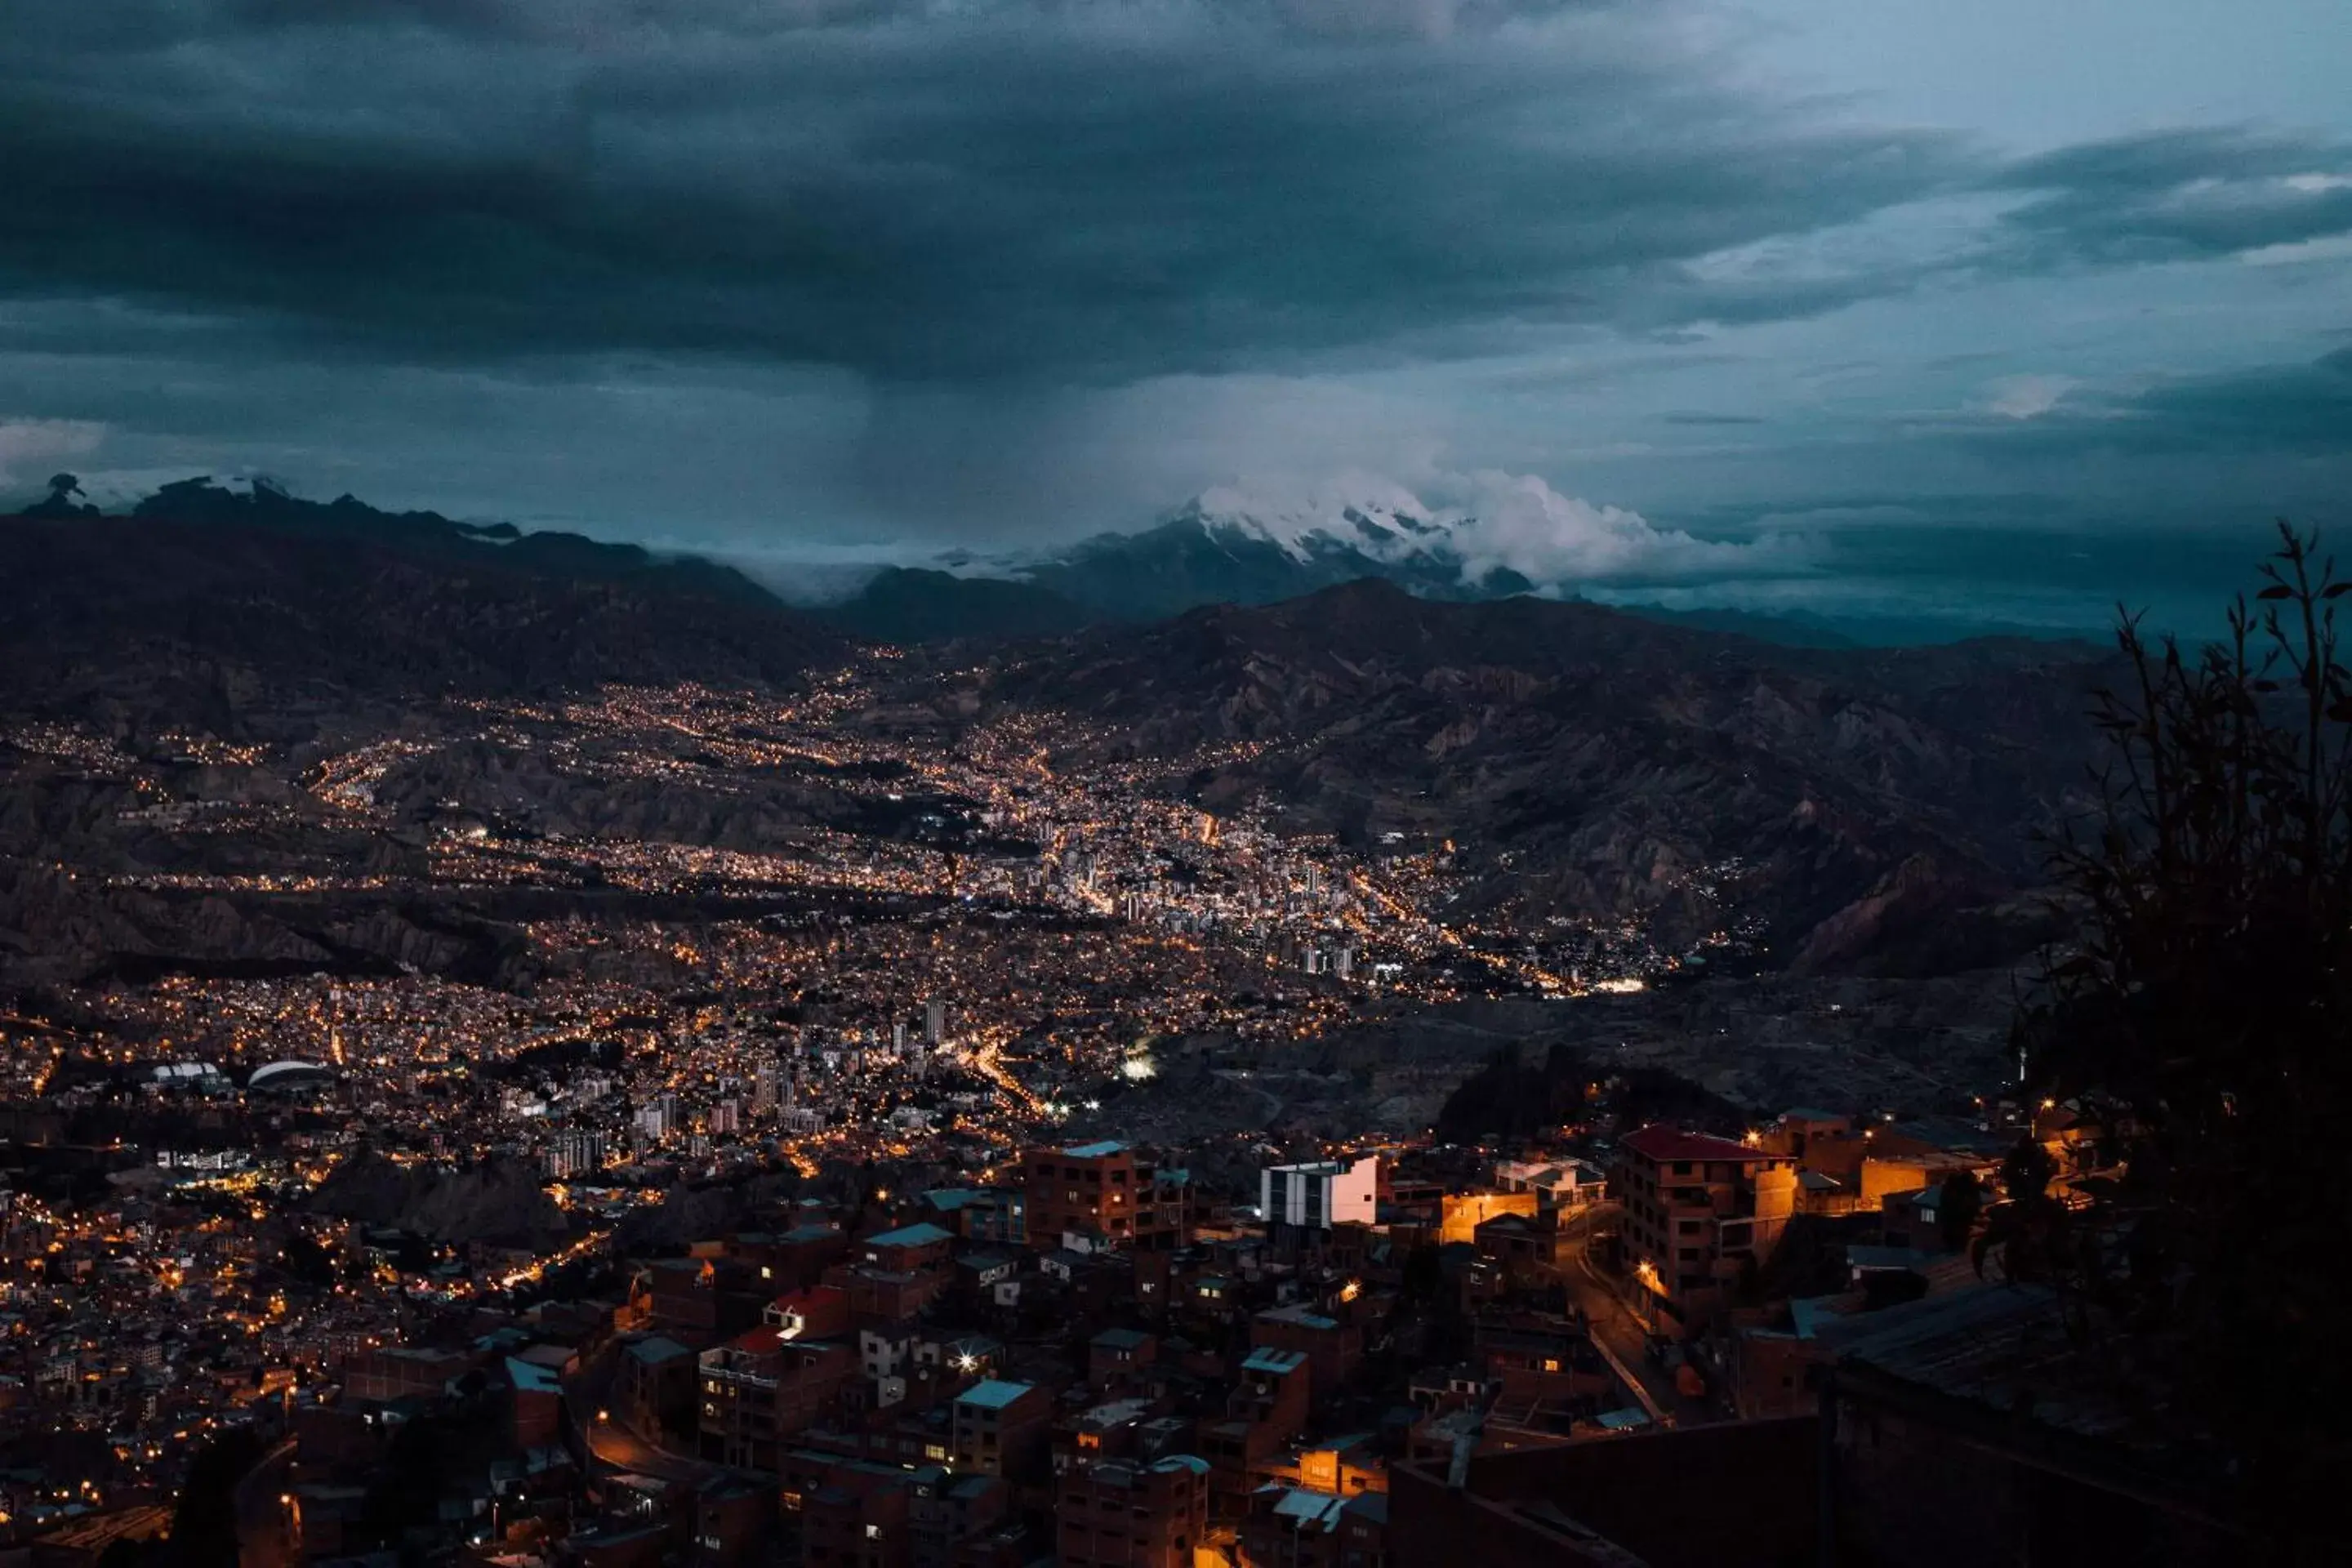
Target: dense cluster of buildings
column 755, row 1237
column 1029, row 811
column 1617, row 1345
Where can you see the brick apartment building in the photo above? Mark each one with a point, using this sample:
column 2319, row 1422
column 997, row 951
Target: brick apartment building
column 1698, row 1210
column 385, row 1373
column 999, row 1428
column 759, row 1390
column 1118, row 1514
column 1106, row 1190
column 1294, row 1528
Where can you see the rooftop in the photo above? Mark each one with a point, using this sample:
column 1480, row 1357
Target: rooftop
column 2003, row 1347
column 994, row 1394
column 1860, row 1257
column 1101, row 1151
column 532, row 1379
column 922, row 1234
column 1298, row 1313
column 1661, row 1143
column 1266, row 1358
column 763, row 1340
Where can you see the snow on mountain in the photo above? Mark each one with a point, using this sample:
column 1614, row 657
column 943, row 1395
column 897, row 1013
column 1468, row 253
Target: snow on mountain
column 1371, row 516
column 1477, row 526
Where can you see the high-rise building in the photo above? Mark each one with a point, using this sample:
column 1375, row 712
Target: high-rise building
column 574, row 1152
column 935, row 1021
column 658, row 1118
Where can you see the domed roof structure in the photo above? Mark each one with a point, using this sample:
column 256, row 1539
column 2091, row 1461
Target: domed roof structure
column 290, row 1075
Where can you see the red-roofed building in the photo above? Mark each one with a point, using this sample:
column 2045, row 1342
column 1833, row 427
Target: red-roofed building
column 1657, row 1144
column 1698, row 1211
column 819, row 1312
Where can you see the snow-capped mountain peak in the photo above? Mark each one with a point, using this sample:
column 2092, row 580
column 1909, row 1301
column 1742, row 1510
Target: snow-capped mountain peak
column 1363, row 514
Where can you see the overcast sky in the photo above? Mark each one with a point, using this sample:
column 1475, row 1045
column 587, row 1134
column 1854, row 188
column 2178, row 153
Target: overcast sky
column 2022, row 302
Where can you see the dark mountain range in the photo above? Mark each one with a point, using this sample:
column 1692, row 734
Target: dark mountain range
column 1877, row 801
column 909, row 604
column 208, row 606
column 1851, row 807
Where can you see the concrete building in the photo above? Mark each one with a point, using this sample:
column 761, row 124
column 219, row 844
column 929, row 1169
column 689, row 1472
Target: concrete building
column 1322, row 1195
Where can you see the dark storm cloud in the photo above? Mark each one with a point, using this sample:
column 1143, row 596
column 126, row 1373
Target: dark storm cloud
column 2296, row 409
column 2291, row 410
column 1040, row 191
column 2178, row 196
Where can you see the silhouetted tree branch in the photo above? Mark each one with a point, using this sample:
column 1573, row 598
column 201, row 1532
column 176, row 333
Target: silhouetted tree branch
column 2203, row 1022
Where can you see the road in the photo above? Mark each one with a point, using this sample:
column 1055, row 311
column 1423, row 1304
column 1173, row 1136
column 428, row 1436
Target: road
column 588, row 1396
column 1618, row 1334
column 615, row 1445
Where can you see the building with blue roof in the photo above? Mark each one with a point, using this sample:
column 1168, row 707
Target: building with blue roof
column 994, row 1394
column 923, row 1233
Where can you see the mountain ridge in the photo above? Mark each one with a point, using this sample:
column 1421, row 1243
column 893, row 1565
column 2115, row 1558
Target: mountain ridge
column 206, row 605
column 1889, row 800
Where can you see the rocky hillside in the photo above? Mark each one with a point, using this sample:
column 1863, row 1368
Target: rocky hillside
column 1872, row 807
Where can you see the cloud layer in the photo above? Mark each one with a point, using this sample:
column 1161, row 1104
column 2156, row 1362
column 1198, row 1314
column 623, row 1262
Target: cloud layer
column 1002, row 271
column 993, row 190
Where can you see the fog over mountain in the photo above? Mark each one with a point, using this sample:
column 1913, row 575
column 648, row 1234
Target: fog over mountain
column 1487, row 535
